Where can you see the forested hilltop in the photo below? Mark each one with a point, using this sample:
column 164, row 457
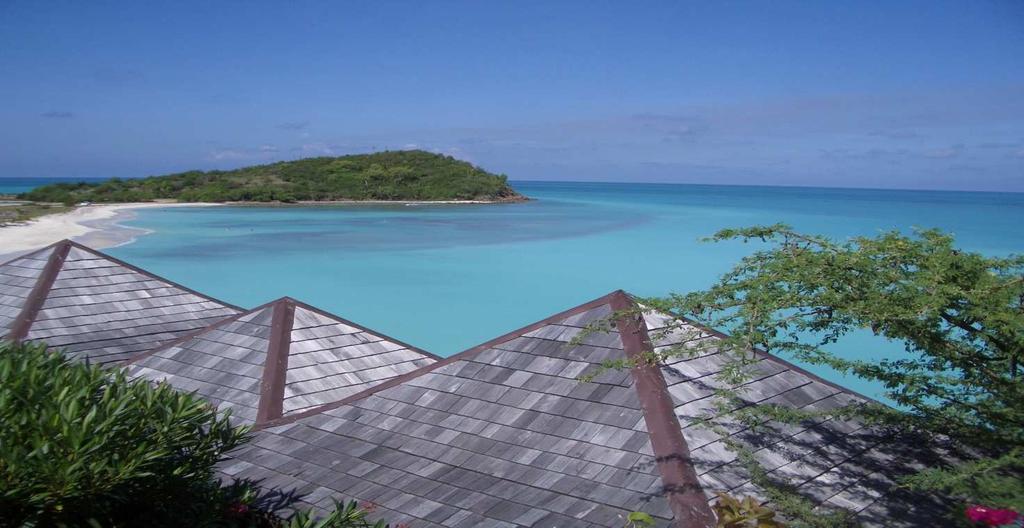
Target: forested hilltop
column 392, row 175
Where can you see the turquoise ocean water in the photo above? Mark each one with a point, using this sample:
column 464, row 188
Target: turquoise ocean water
column 446, row 278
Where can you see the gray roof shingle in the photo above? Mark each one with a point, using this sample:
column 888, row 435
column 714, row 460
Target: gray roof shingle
column 96, row 307
column 277, row 360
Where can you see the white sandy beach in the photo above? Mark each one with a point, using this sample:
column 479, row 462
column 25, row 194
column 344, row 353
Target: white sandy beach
column 94, row 225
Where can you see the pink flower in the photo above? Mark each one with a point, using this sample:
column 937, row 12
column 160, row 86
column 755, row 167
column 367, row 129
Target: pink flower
column 1002, row 517
column 367, row 506
column 991, row 516
column 238, row 509
column 977, row 513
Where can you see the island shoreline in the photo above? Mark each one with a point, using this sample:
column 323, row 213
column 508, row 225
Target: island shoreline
column 316, row 203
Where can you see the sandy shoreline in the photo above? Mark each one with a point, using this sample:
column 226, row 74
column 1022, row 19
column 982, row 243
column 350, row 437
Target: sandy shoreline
column 93, row 225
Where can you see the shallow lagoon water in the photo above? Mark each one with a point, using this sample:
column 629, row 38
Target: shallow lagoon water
column 446, row 278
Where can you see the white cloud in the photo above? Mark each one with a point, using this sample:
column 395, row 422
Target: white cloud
column 228, row 154
column 322, row 149
column 261, row 153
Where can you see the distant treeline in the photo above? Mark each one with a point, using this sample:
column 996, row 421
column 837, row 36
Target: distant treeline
column 392, row 175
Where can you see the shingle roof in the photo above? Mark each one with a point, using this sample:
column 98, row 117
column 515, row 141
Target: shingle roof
column 835, row 462
column 96, row 307
column 501, row 435
column 505, row 435
column 17, row 278
column 279, row 359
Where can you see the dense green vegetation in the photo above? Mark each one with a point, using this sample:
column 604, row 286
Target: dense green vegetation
column 84, row 446
column 392, row 175
column 959, row 314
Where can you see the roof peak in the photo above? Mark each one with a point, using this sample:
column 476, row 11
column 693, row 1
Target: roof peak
column 619, row 297
column 66, row 273
column 40, row 291
column 627, row 339
column 296, row 357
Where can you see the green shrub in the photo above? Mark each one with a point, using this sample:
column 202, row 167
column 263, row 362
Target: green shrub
column 84, row 446
column 79, row 442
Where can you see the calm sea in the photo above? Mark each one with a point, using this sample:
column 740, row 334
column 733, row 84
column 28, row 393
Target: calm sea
column 449, row 277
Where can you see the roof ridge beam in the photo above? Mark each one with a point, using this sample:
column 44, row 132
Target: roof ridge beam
column 41, row 290
column 679, row 480
column 275, row 368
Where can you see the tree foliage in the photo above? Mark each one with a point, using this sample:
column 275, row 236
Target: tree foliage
column 83, row 446
column 959, row 314
column 743, row 513
column 392, row 175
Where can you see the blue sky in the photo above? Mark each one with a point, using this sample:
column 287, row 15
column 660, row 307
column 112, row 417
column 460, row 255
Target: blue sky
column 857, row 94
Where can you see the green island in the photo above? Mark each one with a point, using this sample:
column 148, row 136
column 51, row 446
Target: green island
column 409, row 175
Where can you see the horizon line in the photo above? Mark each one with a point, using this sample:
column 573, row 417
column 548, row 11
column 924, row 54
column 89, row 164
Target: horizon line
column 792, row 186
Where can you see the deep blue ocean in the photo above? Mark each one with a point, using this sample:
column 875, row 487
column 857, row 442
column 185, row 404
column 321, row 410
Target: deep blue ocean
column 446, row 278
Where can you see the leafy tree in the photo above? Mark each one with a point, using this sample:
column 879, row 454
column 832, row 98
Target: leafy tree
column 959, row 314
column 83, row 446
